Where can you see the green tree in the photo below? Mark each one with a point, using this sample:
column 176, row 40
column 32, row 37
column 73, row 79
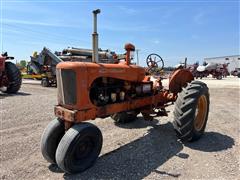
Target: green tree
column 23, row 63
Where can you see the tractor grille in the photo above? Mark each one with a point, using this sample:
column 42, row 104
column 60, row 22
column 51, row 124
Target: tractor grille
column 66, row 82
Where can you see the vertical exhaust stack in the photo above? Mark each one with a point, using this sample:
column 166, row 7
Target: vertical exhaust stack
column 95, row 36
column 185, row 63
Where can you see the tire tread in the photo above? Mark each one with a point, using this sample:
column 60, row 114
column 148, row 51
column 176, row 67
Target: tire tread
column 184, row 111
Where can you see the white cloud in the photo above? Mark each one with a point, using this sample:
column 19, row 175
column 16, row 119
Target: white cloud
column 127, row 28
column 128, row 10
column 37, row 23
column 25, row 7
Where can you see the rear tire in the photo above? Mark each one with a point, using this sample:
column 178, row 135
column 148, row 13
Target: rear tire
column 79, row 148
column 14, row 78
column 124, row 117
column 51, row 138
column 191, row 111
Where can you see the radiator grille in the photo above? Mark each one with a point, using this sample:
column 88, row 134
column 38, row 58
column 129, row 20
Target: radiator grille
column 66, row 82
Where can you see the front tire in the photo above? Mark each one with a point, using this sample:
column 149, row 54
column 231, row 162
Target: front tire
column 14, row 78
column 191, row 111
column 51, row 138
column 79, row 148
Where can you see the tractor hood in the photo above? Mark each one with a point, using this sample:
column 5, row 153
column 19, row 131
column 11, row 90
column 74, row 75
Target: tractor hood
column 74, row 79
column 94, row 70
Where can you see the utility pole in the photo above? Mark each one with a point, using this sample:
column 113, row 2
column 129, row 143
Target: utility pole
column 137, row 50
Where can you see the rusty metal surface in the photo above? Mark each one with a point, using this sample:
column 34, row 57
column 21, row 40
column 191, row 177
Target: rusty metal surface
column 179, row 79
column 155, row 63
column 66, row 114
column 88, row 72
column 155, row 101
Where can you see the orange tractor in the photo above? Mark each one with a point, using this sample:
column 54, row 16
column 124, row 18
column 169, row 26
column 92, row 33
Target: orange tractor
column 90, row 90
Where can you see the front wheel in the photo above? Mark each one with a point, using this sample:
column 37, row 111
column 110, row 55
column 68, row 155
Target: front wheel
column 191, row 111
column 79, row 148
column 50, row 139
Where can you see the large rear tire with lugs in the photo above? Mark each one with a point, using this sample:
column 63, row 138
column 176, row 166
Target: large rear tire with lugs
column 124, row 117
column 51, row 138
column 14, row 78
column 79, row 148
column 191, row 111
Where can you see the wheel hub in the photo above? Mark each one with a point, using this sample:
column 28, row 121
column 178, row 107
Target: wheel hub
column 201, row 112
column 84, row 149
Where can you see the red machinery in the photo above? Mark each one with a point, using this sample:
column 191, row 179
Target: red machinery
column 10, row 76
column 217, row 71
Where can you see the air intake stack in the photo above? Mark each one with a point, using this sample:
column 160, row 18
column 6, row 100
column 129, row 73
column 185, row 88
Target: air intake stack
column 95, row 36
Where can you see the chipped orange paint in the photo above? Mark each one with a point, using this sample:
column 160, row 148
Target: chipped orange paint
column 87, row 72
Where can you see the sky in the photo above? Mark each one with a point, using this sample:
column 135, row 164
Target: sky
column 173, row 29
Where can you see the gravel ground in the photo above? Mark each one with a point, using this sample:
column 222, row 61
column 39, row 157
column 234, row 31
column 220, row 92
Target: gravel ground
column 141, row 149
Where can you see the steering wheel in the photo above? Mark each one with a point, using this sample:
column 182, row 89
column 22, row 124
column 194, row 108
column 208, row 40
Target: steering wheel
column 154, row 61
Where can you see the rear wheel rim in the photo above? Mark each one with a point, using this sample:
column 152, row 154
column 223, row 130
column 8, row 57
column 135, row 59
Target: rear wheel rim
column 201, row 112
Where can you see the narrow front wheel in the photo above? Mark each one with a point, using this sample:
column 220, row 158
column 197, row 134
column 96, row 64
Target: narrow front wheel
column 50, row 139
column 79, row 148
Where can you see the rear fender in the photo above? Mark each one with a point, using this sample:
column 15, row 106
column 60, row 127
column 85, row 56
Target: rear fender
column 179, row 79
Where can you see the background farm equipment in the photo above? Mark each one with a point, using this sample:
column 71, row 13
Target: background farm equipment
column 236, row 72
column 182, row 65
column 85, row 55
column 10, row 76
column 122, row 90
column 44, row 63
column 28, row 73
column 217, row 71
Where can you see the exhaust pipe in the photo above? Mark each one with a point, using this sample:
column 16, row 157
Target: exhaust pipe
column 185, row 63
column 95, row 36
